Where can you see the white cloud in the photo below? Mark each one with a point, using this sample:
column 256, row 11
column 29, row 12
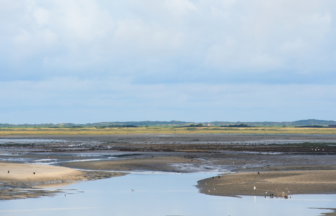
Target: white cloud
column 41, row 16
column 22, row 37
column 265, row 61
column 322, row 19
column 179, row 7
column 263, row 32
column 292, row 46
column 48, row 36
column 194, row 53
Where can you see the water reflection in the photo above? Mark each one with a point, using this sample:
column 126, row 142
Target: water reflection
column 159, row 194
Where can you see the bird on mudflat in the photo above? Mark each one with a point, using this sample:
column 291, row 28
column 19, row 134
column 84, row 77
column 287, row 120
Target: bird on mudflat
column 8, row 171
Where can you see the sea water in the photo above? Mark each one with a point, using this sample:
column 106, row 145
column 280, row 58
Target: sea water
column 159, row 194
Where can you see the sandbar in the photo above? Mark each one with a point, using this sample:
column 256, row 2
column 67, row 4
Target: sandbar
column 142, row 164
column 18, row 179
column 273, row 182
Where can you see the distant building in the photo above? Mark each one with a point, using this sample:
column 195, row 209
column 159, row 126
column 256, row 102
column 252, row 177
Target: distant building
column 332, row 126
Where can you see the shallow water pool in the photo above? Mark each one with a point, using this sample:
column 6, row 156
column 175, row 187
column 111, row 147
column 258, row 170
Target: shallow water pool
column 159, row 194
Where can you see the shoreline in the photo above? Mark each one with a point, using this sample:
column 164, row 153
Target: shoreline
column 281, row 183
column 17, row 179
column 233, row 184
column 158, row 163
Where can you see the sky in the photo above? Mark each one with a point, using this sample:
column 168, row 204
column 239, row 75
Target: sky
column 84, row 61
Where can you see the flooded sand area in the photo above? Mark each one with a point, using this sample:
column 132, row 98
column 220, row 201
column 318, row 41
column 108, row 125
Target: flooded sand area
column 166, row 174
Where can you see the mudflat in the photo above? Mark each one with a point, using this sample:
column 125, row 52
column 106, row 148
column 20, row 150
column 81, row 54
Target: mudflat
column 267, row 153
column 281, row 183
column 317, row 144
column 148, row 164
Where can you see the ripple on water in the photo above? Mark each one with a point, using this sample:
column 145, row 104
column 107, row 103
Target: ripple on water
column 160, row 194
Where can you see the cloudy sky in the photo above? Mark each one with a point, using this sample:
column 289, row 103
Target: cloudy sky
column 195, row 60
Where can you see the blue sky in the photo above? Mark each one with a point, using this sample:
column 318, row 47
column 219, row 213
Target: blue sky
column 215, row 60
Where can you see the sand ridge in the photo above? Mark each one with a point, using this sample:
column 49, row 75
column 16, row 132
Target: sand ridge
column 18, row 182
column 148, row 164
column 23, row 172
column 266, row 183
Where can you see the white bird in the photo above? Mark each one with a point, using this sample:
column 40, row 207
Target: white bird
column 254, row 187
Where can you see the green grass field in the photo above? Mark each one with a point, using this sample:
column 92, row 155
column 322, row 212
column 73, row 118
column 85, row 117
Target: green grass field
column 163, row 130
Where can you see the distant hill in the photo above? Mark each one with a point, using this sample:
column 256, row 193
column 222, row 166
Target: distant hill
column 136, row 123
column 293, row 123
column 313, row 122
column 176, row 123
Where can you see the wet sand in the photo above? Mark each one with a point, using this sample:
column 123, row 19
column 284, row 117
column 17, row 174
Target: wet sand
column 329, row 214
column 143, row 164
column 321, row 144
column 271, row 182
column 17, row 179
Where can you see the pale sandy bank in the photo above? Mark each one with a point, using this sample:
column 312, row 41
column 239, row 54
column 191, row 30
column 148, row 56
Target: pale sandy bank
column 34, row 172
column 17, row 179
column 266, row 183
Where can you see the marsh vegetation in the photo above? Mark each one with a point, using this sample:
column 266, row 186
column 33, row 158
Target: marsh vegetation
column 10, row 131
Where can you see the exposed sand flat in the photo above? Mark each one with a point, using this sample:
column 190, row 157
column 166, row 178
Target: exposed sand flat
column 23, row 172
column 150, row 164
column 290, row 168
column 21, row 177
column 277, row 183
